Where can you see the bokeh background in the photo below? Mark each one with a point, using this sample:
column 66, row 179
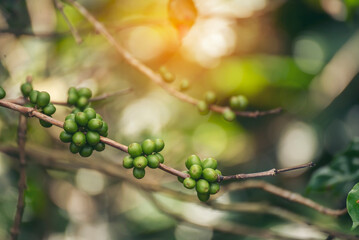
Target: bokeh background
column 302, row 56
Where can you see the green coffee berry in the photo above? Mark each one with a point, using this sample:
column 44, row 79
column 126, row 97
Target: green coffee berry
column 92, row 138
column 180, row 179
column 195, row 171
column 209, row 163
column 135, row 150
column 219, row 173
column 202, row 186
column 81, row 119
column 43, row 98
column 98, row 116
column 229, row 115
column 26, row 88
column 153, row 161
column 166, row 75
column 44, row 123
column 104, row 134
column 192, row 160
column 49, row 109
column 72, row 98
column 184, row 85
column 72, row 90
column 86, row 151
column 203, row 196
column 99, row 147
column 159, row 145
column 127, row 162
column 82, row 102
column 189, row 183
column 243, row 101
column 2, row 93
column 209, row 174
column 103, row 130
column 139, row 173
column 79, row 139
column 73, row 148
column 214, row 187
column 140, row 162
column 202, row 107
column 95, row 124
column 148, row 146
column 90, row 112
column 70, row 126
column 84, row 92
column 71, row 116
column 210, row 97
column 160, row 157
column 76, row 110
column 33, row 96
column 65, row 137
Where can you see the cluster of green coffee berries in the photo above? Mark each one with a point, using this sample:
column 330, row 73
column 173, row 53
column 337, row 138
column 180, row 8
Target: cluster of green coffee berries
column 203, row 176
column 79, row 98
column 2, row 93
column 169, row 77
column 38, row 100
column 143, row 155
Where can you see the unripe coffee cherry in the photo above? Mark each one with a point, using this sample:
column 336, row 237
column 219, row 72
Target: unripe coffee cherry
column 189, row 183
column 98, row 116
column 26, row 88
column 180, row 178
column 135, row 150
column 202, row 186
column 203, row 196
column 99, row 147
column 140, row 162
column 2, row 93
column 153, row 161
column 214, row 187
column 43, row 98
column 73, row 148
column 49, row 109
column 202, row 107
column 72, row 90
column 128, row 162
column 148, row 146
column 238, row 102
column 65, row 137
column 209, row 174
column 160, row 157
column 166, row 75
column 195, row 171
column 159, row 145
column 138, row 173
column 92, row 138
column 44, row 123
column 210, row 97
column 81, row 119
column 90, row 112
column 84, row 92
column 79, row 139
column 184, row 85
column 219, row 173
column 72, row 98
column 95, row 124
column 192, row 160
column 71, row 116
column 86, row 151
column 33, row 96
column 70, row 126
column 103, row 130
column 82, row 102
column 229, row 115
column 209, row 163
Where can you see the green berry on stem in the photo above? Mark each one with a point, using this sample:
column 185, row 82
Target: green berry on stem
column 104, row 129
column 92, row 138
column 81, row 119
column 49, row 109
column 209, row 174
column 76, row 110
column 44, row 123
column 43, row 98
column 90, row 112
column 86, row 151
column 71, row 116
column 139, row 173
column 2, row 93
column 153, row 161
column 65, row 137
column 127, row 162
column 180, row 179
column 72, row 90
column 26, row 88
column 189, row 183
column 85, row 92
column 195, row 171
column 160, row 157
column 82, row 102
column 99, row 147
column 203, row 197
column 166, row 75
column 72, row 98
column 70, row 126
column 202, row 186
column 229, row 115
column 95, row 124
column 135, row 150
column 203, row 108
column 243, row 101
column 33, row 96
column 192, row 160
column 140, row 162
column 98, row 116
column 210, row 97
column 184, row 85
column 159, row 145
column 219, row 173
column 73, row 148
column 79, row 139
column 148, row 146
column 209, row 163
column 214, row 188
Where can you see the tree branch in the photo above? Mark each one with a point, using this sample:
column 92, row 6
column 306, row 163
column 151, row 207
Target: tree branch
column 153, row 76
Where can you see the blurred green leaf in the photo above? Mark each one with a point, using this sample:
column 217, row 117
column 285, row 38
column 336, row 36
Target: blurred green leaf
column 353, row 205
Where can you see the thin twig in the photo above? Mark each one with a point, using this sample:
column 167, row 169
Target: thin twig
column 153, row 76
column 15, row 230
column 73, row 30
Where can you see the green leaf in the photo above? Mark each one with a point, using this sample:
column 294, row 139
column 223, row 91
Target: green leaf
column 341, row 174
column 353, row 205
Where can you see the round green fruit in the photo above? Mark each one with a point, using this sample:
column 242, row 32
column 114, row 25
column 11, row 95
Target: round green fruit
column 72, row 90
column 139, row 173
column 214, row 188
column 72, row 98
column 192, row 160
column 86, row 151
column 73, row 148
column 33, row 96
column 189, row 183
column 209, row 163
column 219, row 173
column 49, row 109
column 160, row 157
column 79, row 139
column 195, row 171
column 210, row 97
column 81, row 119
column 159, row 145
column 99, row 147
column 203, row 107
column 203, row 197
column 202, row 186
column 184, row 85
column 180, row 179
column 84, row 92
column 140, row 162
column 135, row 150
column 65, row 137
column 98, row 116
column 229, row 115
column 76, row 110
column 90, row 113
column 26, row 88
column 71, row 116
column 43, row 98
column 92, row 138
column 148, row 146
column 95, row 124
column 70, row 126
column 44, row 123
column 153, row 161
column 2, row 93
column 209, row 174
column 82, row 102
column 128, row 162
column 103, row 131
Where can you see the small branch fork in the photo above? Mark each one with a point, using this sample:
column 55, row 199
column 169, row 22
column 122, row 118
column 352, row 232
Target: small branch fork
column 153, row 76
